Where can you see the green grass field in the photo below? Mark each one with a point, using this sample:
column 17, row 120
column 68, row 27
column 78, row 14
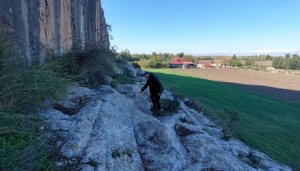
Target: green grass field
column 266, row 123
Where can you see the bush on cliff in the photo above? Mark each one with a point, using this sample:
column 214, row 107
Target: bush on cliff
column 88, row 66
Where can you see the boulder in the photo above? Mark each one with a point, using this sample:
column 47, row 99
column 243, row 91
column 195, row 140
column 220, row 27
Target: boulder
column 141, row 79
column 101, row 133
column 130, row 90
column 142, row 102
column 132, row 72
column 112, row 144
column 186, row 100
column 107, row 79
column 140, row 72
column 167, row 95
column 209, row 152
column 76, row 98
column 156, row 148
column 118, row 70
column 79, row 135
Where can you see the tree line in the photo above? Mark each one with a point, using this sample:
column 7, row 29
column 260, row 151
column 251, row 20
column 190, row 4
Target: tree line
column 161, row 60
column 287, row 62
column 157, row 60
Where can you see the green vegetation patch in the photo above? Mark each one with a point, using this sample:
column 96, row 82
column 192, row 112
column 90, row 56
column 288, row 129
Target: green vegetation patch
column 168, row 107
column 23, row 91
column 268, row 124
column 88, row 66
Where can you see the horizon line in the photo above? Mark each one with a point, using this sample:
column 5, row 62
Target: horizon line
column 247, row 53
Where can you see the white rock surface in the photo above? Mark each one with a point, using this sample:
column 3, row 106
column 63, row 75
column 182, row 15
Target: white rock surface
column 115, row 130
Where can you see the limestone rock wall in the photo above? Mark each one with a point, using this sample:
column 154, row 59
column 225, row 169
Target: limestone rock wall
column 42, row 26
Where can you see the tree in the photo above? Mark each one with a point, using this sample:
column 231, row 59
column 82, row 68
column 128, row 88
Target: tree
column 288, row 55
column 188, row 58
column 144, row 63
column 156, row 62
column 125, row 54
column 268, row 57
column 235, row 62
column 154, row 54
column 181, row 54
column 294, row 62
column 279, row 63
column 234, row 57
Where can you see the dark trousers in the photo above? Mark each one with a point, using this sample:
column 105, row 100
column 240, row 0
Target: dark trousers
column 155, row 101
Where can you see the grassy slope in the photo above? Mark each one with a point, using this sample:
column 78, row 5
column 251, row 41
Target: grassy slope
column 268, row 124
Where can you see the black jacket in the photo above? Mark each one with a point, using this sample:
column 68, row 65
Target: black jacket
column 154, row 85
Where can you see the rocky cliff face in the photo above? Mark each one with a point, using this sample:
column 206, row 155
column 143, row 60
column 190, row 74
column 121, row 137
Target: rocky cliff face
column 53, row 25
column 113, row 129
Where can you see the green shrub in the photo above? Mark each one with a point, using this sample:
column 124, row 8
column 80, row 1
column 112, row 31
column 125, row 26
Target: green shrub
column 114, row 83
column 22, row 147
column 87, row 66
column 19, row 128
column 136, row 65
column 29, row 88
column 156, row 62
column 121, row 61
column 23, row 91
column 287, row 63
column 124, row 79
column 169, row 107
column 235, row 62
column 144, row 63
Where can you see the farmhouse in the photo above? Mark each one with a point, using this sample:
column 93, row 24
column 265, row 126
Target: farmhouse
column 205, row 63
column 179, row 63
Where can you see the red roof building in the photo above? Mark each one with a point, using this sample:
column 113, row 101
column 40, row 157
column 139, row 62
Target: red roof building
column 179, row 63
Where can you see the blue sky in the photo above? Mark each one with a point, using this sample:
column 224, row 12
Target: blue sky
column 204, row 26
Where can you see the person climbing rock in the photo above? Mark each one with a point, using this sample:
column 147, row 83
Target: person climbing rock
column 155, row 88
